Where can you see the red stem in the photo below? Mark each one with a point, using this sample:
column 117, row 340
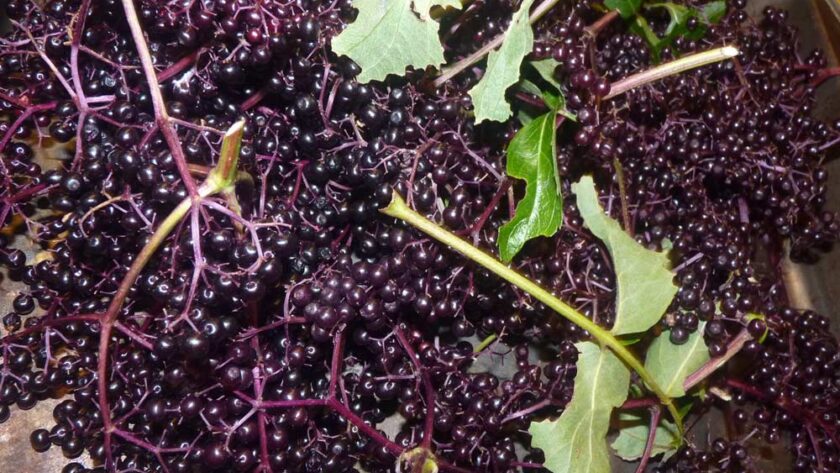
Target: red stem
column 595, row 28
column 22, row 118
column 109, row 318
column 253, row 100
column 128, row 332
column 639, row 403
column 335, row 363
column 528, row 410
column 22, row 102
column 715, row 363
column 788, row 405
column 292, row 403
column 428, row 427
column 258, row 390
column 825, row 74
column 531, row 100
column 161, row 115
column 654, row 423
column 364, row 427
column 25, row 194
column 494, row 202
column 49, row 323
column 178, row 66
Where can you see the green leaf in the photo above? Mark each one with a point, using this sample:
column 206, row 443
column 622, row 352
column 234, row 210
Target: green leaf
column 627, row 8
column 576, row 442
column 531, row 156
column 633, row 433
column 538, row 79
column 389, row 36
column 641, row 27
column 488, row 96
column 546, row 68
column 529, row 87
column 423, row 7
column 713, row 12
column 679, row 15
column 549, row 97
column 670, row 364
column 525, row 117
column 645, row 286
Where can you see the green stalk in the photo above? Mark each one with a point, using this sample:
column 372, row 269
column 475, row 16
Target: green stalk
column 398, row 209
column 485, row 343
column 672, row 68
column 219, row 179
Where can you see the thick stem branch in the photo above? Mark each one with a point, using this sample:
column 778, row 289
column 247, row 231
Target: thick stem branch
column 595, row 28
column 398, row 209
column 672, row 68
column 161, row 115
column 429, row 390
column 715, row 363
column 622, row 194
column 216, row 181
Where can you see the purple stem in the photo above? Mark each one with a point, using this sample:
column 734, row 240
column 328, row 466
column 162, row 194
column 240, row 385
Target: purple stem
column 654, row 423
column 428, row 427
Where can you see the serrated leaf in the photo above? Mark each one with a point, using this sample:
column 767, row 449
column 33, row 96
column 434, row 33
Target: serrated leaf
column 576, row 442
column 627, row 8
column 389, row 36
column 645, row 286
column 488, row 96
column 531, row 156
column 670, row 364
column 633, row 434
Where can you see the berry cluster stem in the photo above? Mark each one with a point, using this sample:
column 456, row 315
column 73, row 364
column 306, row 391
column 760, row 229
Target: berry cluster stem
column 219, row 178
column 161, row 115
column 692, row 61
column 398, row 209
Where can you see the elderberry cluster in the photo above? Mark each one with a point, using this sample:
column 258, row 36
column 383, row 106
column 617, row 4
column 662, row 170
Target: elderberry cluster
column 286, row 325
